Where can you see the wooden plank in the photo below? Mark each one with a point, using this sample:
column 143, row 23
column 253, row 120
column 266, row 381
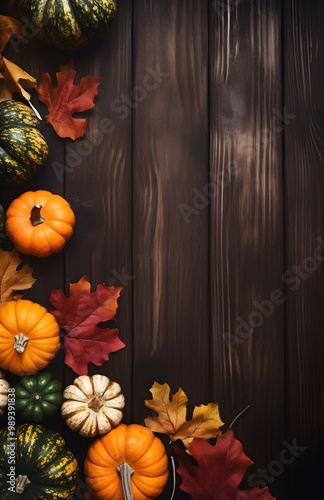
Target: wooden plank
column 170, row 161
column 304, row 138
column 246, row 212
column 98, row 186
column 98, row 183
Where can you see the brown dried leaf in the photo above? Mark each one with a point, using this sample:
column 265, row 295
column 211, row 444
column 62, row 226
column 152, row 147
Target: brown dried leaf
column 11, row 279
column 12, row 77
column 9, row 26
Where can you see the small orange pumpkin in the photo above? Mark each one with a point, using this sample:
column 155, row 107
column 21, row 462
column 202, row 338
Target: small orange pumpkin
column 29, row 337
column 39, row 223
column 129, row 462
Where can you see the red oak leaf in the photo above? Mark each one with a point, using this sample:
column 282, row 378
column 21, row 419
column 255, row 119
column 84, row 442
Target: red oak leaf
column 79, row 315
column 66, row 99
column 220, row 470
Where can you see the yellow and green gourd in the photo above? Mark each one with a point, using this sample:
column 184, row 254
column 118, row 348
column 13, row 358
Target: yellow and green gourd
column 23, row 148
column 68, row 24
column 35, row 463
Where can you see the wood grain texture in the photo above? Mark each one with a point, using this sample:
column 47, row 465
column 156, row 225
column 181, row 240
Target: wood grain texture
column 198, row 189
column 99, row 187
column 170, row 161
column 246, row 224
column 304, row 149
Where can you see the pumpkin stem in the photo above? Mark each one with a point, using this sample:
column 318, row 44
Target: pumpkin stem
column 35, row 215
column 20, row 342
column 21, row 483
column 125, row 471
column 95, row 404
column 36, row 396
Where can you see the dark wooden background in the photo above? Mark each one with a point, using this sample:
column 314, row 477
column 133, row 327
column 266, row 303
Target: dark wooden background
column 204, row 202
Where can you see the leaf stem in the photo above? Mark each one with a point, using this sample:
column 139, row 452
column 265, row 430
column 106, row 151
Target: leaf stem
column 173, row 478
column 238, row 416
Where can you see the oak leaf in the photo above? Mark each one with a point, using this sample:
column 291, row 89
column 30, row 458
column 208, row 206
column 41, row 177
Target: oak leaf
column 219, row 472
column 79, row 315
column 66, row 99
column 12, row 77
column 172, row 414
column 13, row 276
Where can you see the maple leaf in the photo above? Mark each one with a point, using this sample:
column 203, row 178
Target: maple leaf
column 171, row 419
column 79, row 315
column 66, row 99
column 12, row 77
column 219, row 472
column 13, row 276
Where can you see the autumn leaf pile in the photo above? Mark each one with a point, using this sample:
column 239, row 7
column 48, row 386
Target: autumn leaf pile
column 62, row 101
column 218, row 468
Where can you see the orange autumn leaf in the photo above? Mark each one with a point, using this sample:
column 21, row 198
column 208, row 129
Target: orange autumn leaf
column 13, row 276
column 172, row 416
column 12, row 77
column 66, row 99
column 80, row 316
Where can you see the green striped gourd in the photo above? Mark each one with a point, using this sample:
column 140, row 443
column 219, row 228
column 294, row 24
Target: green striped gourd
column 35, row 464
column 23, row 148
column 68, row 24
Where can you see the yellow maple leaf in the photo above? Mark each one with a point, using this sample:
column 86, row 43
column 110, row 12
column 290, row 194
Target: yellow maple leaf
column 171, row 419
column 13, row 279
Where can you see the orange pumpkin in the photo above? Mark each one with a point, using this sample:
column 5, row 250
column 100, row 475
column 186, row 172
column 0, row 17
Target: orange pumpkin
column 29, row 337
column 39, row 223
column 129, row 462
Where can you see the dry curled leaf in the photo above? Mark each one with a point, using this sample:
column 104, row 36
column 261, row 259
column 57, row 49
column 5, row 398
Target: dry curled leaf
column 172, row 414
column 12, row 77
column 66, row 99
column 9, row 26
column 79, row 315
column 13, row 276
